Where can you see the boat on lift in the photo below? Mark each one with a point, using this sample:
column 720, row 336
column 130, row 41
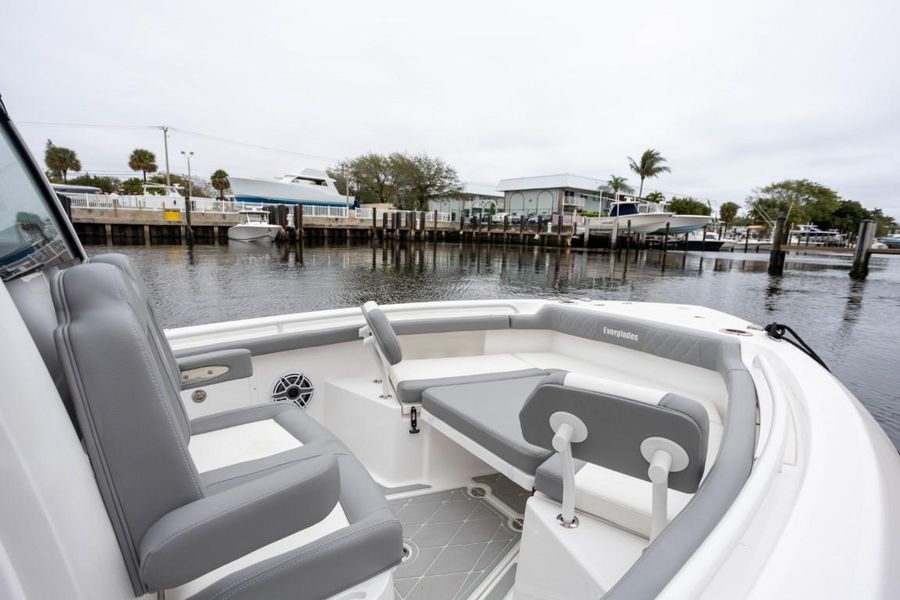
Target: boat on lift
column 311, row 187
column 254, row 227
column 629, row 215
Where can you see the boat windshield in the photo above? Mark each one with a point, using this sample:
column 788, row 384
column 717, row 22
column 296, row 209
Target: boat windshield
column 256, row 217
column 621, row 210
column 29, row 232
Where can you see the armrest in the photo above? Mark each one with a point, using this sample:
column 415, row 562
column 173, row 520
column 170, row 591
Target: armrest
column 210, row 532
column 208, row 368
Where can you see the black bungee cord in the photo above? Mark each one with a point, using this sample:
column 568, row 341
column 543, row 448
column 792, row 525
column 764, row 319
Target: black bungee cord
column 777, row 331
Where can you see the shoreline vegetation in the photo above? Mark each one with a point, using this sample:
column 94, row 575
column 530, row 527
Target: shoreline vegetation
column 410, row 181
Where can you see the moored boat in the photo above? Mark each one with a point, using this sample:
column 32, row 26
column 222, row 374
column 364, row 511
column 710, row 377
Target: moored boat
column 254, row 227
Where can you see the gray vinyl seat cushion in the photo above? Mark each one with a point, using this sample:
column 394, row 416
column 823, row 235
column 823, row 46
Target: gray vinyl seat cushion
column 412, row 391
column 488, row 413
column 173, row 523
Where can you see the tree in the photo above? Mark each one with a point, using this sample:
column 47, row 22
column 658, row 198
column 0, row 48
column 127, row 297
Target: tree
column 132, row 187
column 801, row 200
column 650, row 166
column 419, row 178
column 219, row 180
column 655, row 197
column 372, row 174
column 727, row 212
column 106, row 184
column 617, row 185
column 688, row 206
column 60, row 161
column 142, row 160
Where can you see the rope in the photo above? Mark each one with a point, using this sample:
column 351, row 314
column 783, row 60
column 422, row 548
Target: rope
column 777, row 331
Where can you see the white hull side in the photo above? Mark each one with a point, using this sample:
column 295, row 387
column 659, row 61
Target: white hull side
column 641, row 223
column 263, row 190
column 251, row 232
column 686, row 223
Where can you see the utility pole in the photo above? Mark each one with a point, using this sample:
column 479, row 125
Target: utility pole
column 165, row 130
column 187, row 204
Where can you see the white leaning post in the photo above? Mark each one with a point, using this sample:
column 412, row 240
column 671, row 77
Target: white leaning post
column 567, row 429
column 369, row 342
column 664, row 456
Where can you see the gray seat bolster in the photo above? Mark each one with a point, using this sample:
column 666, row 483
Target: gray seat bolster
column 238, row 361
column 321, row 568
column 384, row 334
column 372, row 543
column 212, row 531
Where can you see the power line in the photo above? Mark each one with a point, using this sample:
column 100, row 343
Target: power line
column 176, row 129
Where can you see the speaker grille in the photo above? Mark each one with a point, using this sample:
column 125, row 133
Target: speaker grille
column 295, row 388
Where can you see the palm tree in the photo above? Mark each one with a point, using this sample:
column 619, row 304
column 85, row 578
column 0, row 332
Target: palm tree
column 727, row 212
column 61, row 160
column 219, row 180
column 143, row 161
column 656, row 197
column 618, row 185
column 650, row 165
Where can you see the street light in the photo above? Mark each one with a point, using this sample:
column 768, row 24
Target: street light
column 188, row 155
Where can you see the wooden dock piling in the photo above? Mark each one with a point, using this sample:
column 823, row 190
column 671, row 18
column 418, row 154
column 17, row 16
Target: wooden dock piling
column 860, row 267
column 776, row 256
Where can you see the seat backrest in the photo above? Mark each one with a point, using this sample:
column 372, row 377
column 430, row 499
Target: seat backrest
column 383, row 332
column 140, row 288
column 618, row 427
column 126, row 398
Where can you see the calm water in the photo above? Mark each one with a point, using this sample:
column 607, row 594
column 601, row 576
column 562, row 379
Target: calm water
column 854, row 326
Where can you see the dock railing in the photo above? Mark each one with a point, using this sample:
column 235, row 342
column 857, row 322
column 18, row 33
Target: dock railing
column 215, row 205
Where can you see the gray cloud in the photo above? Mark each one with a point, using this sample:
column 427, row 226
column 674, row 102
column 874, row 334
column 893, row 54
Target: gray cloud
column 735, row 96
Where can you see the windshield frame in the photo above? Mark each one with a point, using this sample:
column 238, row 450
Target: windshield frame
column 45, row 191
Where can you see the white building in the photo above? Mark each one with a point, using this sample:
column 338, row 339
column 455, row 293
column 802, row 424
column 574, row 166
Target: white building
column 544, row 195
column 476, row 199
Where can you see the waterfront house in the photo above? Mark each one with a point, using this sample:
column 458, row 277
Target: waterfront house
column 545, row 195
column 475, row 199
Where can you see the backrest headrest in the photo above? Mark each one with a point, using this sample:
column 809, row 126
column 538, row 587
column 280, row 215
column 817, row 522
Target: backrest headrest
column 384, row 333
column 618, row 427
column 128, row 406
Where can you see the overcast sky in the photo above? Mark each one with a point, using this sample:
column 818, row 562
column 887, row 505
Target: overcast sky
column 735, row 96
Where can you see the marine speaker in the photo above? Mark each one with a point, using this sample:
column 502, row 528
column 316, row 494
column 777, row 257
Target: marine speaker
column 295, row 388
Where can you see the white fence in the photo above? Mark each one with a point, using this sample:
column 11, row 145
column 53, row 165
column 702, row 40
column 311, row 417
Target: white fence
column 214, row 205
column 114, row 201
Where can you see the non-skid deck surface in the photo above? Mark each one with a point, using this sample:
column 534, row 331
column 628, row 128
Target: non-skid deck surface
column 506, row 491
column 455, row 541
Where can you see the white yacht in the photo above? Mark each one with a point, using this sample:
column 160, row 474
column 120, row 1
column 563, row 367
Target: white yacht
column 633, row 216
column 500, row 449
column 310, row 187
column 811, row 235
column 254, row 227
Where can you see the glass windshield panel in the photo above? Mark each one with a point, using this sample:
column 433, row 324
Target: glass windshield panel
column 29, row 234
column 621, row 210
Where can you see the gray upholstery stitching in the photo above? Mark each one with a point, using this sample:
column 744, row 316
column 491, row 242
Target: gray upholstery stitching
column 182, row 449
column 67, row 345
